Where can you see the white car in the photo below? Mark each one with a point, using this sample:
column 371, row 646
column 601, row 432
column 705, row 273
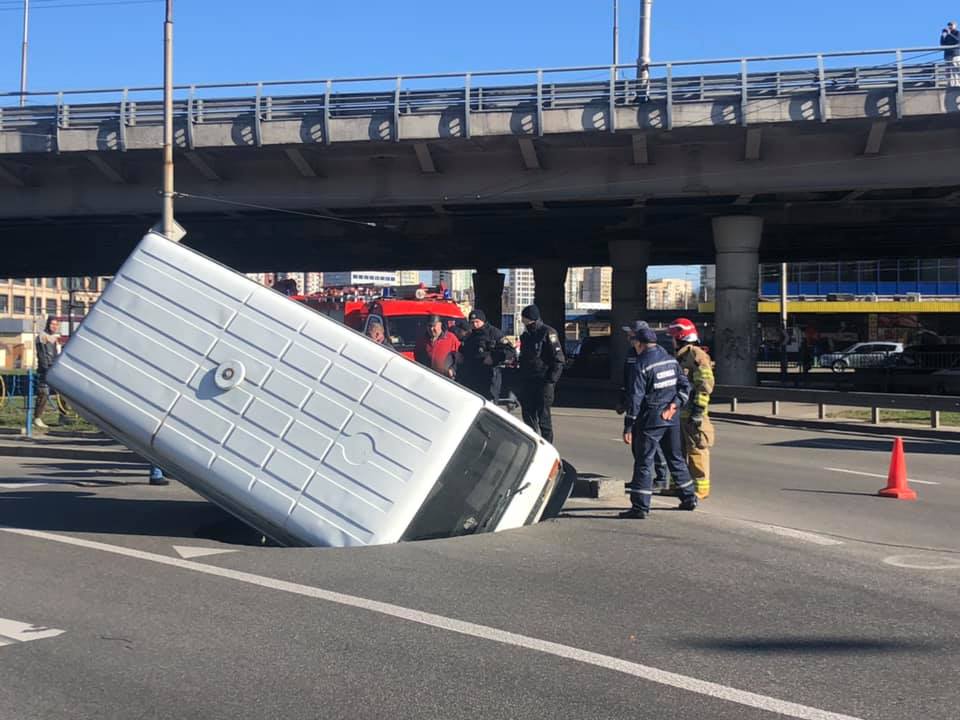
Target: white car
column 861, row 355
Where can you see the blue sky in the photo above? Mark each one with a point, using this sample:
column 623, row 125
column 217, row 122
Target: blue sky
column 118, row 42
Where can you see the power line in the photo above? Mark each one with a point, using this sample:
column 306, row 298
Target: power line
column 96, row 3
column 316, row 216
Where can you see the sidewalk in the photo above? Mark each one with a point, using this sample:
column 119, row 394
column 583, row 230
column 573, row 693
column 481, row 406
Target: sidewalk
column 67, row 447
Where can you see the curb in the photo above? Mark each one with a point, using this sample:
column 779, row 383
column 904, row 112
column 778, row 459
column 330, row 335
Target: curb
column 68, row 453
column 887, row 430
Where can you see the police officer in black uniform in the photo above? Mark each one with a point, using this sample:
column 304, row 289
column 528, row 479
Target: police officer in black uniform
column 482, row 353
column 541, row 364
column 658, row 390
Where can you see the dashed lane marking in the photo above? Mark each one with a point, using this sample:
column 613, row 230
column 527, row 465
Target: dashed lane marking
column 190, row 552
column 797, row 534
column 923, row 562
column 878, row 475
column 12, row 631
column 484, row 632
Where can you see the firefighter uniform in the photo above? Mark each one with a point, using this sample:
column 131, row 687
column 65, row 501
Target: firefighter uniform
column 657, row 383
column 541, row 364
column 698, row 432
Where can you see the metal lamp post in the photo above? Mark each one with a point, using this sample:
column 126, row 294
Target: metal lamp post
column 23, row 53
column 643, row 58
column 167, row 220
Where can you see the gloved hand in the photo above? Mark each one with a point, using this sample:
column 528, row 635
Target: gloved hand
column 696, row 415
column 620, row 409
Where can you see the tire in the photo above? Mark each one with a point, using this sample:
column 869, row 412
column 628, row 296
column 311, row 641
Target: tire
column 839, row 366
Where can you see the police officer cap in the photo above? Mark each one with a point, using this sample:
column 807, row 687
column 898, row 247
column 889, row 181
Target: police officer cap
column 646, row 335
column 635, row 327
column 478, row 315
column 531, row 312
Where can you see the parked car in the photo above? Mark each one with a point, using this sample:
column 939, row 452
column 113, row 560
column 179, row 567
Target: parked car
column 861, row 355
column 592, row 359
column 927, row 357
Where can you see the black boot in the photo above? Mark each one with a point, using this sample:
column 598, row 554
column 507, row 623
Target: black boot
column 689, row 504
column 633, row 514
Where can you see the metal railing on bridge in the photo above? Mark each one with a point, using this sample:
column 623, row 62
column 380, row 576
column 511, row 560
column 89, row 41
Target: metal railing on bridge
column 670, row 84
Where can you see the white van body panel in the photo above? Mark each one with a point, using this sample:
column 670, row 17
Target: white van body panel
column 289, row 420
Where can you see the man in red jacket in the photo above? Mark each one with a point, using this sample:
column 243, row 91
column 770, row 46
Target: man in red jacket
column 437, row 348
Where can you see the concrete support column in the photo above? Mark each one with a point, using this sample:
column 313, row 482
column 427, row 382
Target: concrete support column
column 737, row 240
column 488, row 294
column 629, row 259
column 549, row 277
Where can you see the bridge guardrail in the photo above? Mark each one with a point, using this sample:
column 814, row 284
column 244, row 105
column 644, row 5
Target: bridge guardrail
column 669, row 83
column 935, row 404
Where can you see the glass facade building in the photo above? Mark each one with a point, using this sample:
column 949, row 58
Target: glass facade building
column 938, row 277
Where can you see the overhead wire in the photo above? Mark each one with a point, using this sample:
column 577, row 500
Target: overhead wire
column 255, row 206
column 93, row 3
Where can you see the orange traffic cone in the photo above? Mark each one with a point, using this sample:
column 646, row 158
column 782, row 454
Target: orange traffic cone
column 897, row 478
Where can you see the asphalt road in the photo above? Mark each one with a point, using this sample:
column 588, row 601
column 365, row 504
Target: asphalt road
column 794, row 592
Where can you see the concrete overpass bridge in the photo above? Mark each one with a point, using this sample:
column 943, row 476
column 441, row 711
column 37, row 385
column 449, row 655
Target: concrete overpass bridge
column 830, row 155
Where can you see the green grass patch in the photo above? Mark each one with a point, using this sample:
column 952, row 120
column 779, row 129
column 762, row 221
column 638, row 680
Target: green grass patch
column 911, row 417
column 13, row 415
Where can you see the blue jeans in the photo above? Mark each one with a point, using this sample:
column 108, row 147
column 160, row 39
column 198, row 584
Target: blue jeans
column 646, row 442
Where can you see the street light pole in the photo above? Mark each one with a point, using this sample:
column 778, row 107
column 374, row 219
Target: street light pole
column 783, row 320
column 168, row 122
column 23, row 53
column 616, row 32
column 643, row 59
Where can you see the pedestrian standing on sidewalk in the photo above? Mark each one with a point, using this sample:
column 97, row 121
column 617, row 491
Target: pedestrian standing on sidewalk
column 47, row 347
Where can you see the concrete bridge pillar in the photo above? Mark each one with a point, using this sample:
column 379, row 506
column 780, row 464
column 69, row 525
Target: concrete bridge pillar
column 488, row 294
column 737, row 240
column 549, row 277
column 629, row 259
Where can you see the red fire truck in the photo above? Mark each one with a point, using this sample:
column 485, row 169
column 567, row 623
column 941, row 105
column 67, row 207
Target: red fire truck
column 403, row 311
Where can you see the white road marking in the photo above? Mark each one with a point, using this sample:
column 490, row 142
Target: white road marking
column 12, row 632
column 797, row 534
column 878, row 475
column 188, row 552
column 17, row 485
column 484, row 632
column 923, row 562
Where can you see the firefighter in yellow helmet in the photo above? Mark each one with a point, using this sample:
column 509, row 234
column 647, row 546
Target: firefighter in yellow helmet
column 698, row 433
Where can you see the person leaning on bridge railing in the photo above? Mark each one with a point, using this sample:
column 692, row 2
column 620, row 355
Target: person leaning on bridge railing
column 950, row 39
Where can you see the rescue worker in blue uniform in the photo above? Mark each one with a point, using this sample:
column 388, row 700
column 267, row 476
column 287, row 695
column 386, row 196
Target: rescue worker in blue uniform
column 541, row 364
column 661, row 473
column 657, row 391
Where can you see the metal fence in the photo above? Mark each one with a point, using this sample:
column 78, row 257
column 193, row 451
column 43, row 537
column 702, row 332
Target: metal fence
column 18, row 401
column 740, row 81
column 824, row 399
